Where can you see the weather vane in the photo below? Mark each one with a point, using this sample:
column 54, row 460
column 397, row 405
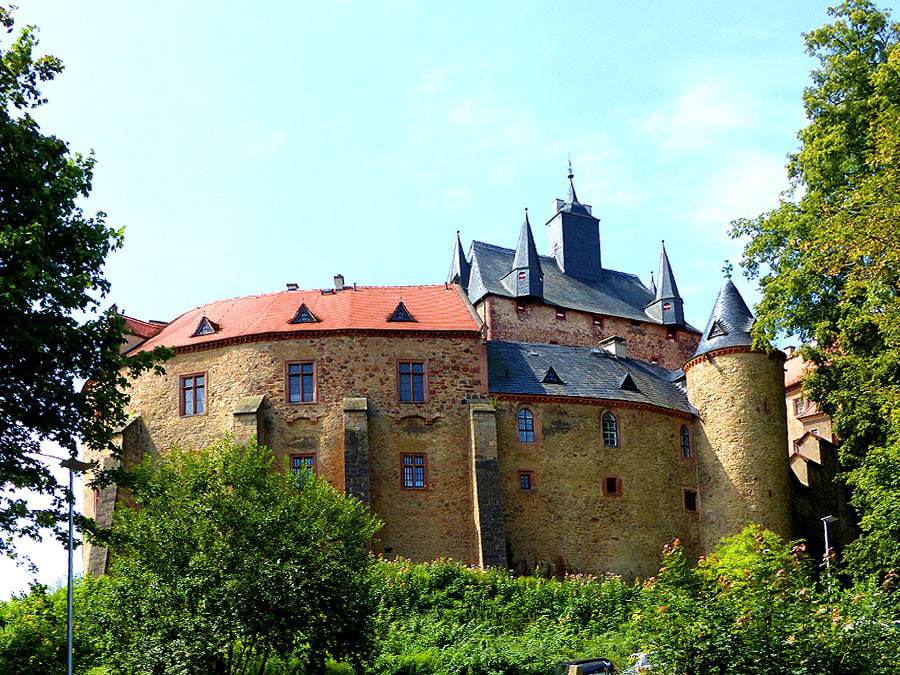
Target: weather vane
column 727, row 269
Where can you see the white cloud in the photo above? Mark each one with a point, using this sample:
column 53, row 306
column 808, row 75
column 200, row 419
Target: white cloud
column 697, row 117
column 750, row 184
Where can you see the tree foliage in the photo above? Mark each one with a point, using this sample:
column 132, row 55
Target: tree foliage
column 226, row 563
column 828, row 260
column 51, row 260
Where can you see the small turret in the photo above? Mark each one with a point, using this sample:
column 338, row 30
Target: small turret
column 460, row 269
column 667, row 306
column 526, row 279
column 742, row 431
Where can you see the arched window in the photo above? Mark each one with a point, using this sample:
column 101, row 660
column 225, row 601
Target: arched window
column 686, row 450
column 610, row 430
column 526, row 425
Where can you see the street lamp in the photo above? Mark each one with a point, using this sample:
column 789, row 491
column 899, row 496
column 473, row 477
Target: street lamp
column 825, row 520
column 73, row 465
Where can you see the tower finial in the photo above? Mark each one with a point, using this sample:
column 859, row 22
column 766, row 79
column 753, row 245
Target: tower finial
column 571, row 173
column 727, row 269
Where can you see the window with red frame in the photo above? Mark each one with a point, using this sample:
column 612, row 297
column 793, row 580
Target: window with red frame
column 301, row 382
column 303, row 466
column 192, row 398
column 411, row 376
column 612, row 486
column 687, row 450
column 526, row 480
column 414, row 472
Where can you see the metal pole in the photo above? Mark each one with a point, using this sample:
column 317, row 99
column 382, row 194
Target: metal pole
column 69, row 589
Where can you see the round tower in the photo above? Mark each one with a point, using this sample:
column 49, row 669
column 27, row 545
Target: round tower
column 742, row 432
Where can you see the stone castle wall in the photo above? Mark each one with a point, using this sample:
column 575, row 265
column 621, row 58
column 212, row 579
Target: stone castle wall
column 421, row 524
column 538, row 323
column 566, row 522
column 740, row 441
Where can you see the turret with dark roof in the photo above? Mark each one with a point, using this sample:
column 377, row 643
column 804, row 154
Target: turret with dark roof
column 460, row 269
column 526, row 278
column 729, row 324
column 667, row 306
column 575, row 237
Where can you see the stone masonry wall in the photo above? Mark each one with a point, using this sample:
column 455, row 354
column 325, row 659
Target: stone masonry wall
column 419, row 524
column 566, row 522
column 538, row 323
column 740, row 444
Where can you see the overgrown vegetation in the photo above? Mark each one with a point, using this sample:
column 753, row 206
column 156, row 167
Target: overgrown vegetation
column 755, row 605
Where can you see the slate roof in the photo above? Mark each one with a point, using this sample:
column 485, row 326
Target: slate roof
column 729, row 324
column 520, row 368
column 615, row 293
column 435, row 308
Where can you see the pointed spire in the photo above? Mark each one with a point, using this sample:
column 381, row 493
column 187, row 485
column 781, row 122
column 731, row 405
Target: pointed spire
column 460, row 269
column 667, row 307
column 573, row 198
column 526, row 275
column 572, row 204
column 729, row 324
column 652, row 284
column 667, row 286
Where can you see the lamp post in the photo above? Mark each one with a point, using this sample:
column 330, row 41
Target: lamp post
column 73, row 465
column 825, row 520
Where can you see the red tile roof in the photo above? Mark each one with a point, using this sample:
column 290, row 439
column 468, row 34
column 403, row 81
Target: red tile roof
column 142, row 329
column 365, row 308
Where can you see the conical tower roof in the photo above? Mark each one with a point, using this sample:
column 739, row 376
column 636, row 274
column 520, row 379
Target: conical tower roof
column 729, row 324
column 460, row 269
column 526, row 252
column 666, row 288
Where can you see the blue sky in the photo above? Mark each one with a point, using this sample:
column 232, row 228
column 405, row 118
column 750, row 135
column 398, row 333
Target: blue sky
column 246, row 145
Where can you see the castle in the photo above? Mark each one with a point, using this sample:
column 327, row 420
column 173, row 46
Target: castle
column 533, row 411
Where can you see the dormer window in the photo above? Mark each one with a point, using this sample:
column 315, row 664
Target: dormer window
column 304, row 315
column 667, row 306
column 205, row 327
column 718, row 329
column 627, row 384
column 401, row 314
column 551, row 377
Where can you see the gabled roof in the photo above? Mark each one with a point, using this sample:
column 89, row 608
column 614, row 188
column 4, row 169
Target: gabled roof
column 142, row 329
column 438, row 308
column 520, row 368
column 615, row 293
column 729, row 323
column 401, row 313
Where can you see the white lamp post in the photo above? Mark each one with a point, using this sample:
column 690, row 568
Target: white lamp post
column 73, row 465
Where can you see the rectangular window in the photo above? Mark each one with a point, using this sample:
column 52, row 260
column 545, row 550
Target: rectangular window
column 301, row 382
column 520, row 307
column 799, row 406
column 411, row 376
column 303, row 465
column 612, row 486
column 560, row 315
column 526, row 480
column 671, row 334
column 690, row 501
column 192, row 395
column 414, row 472
column 598, row 320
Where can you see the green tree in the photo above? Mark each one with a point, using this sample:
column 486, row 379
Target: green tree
column 226, row 563
column 51, row 259
column 828, row 261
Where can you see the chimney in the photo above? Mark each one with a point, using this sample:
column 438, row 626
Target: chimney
column 293, row 287
column 338, row 281
column 614, row 345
